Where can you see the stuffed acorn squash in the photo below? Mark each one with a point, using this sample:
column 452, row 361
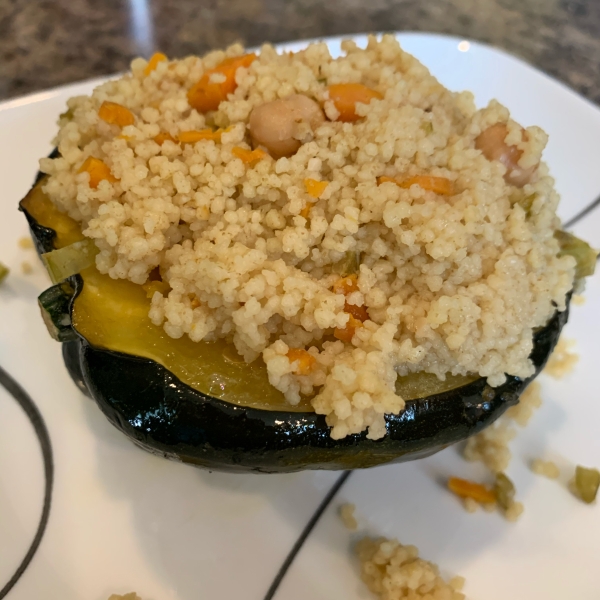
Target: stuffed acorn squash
column 283, row 262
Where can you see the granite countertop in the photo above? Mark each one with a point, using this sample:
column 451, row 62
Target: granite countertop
column 44, row 43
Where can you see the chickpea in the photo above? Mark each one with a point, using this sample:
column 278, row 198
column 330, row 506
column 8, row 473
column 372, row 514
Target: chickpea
column 280, row 125
column 491, row 143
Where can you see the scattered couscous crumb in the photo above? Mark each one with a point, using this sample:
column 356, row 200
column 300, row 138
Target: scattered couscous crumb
column 26, row 243
column 26, row 268
column 457, row 583
column 514, row 511
column 563, row 360
column 471, row 505
column 547, row 468
column 529, row 402
column 348, row 517
column 458, row 265
column 578, row 299
column 491, row 445
column 4, row 272
column 393, row 571
column 129, row 596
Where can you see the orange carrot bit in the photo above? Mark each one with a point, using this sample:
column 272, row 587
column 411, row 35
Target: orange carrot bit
column 468, row 489
column 163, row 137
column 191, row 137
column 153, row 62
column 206, row 95
column 98, row 171
column 439, row 185
column 248, row 156
column 306, row 361
column 386, row 179
column 315, row 188
column 305, row 212
column 116, row 114
column 358, row 312
column 347, row 333
column 346, row 285
column 345, row 96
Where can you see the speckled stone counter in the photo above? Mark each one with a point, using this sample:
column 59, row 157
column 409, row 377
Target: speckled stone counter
column 44, row 43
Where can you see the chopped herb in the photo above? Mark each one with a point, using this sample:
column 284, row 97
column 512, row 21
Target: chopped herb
column 69, row 260
column 527, row 202
column 587, row 482
column 504, row 490
column 581, row 251
column 4, row 271
column 349, row 265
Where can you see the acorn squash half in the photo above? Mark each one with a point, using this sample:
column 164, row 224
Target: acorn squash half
column 195, row 403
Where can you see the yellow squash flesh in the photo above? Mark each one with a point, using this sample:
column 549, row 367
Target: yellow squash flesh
column 113, row 314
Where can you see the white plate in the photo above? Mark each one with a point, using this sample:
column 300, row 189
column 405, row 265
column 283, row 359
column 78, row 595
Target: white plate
column 124, row 520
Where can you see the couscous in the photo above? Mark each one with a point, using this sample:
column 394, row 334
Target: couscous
column 347, row 221
column 394, row 571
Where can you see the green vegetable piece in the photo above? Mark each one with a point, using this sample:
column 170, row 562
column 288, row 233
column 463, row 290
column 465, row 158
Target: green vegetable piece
column 427, row 127
column 69, row 260
column 55, row 304
column 4, row 271
column 504, row 490
column 581, row 251
column 527, row 202
column 587, row 482
column 349, row 265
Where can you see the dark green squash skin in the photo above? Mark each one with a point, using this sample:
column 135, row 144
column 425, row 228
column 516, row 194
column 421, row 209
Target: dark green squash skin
column 163, row 415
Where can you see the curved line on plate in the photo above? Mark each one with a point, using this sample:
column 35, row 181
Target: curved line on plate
column 34, row 415
column 305, row 533
column 582, row 213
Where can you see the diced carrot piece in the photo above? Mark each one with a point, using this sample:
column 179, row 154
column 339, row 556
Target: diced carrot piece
column 345, row 96
column 305, row 212
column 191, row 137
column 162, row 137
column 116, row 114
column 315, row 188
column 358, row 312
column 248, row 156
column 346, row 285
column 306, row 360
column 206, row 95
column 153, row 62
column 347, row 333
column 98, row 171
column 468, row 489
column 439, row 185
